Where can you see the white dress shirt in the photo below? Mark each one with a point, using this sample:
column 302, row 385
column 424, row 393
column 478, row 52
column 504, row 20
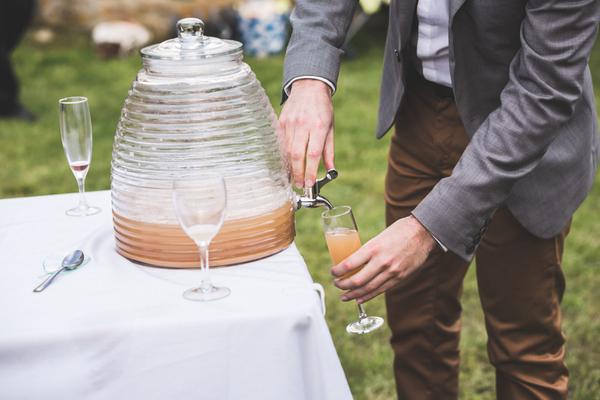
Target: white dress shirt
column 432, row 41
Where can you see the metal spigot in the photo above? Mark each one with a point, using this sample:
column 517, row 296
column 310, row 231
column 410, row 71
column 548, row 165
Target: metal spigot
column 311, row 197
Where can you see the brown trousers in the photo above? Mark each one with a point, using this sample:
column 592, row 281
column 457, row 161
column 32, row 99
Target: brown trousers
column 519, row 276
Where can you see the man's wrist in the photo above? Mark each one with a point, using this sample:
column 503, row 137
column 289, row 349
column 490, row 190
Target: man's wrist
column 436, row 240
column 425, row 237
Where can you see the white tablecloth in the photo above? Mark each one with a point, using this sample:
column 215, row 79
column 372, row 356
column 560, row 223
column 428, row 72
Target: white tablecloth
column 114, row 329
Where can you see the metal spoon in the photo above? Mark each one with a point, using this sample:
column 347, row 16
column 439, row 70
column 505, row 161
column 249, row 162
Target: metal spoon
column 69, row 263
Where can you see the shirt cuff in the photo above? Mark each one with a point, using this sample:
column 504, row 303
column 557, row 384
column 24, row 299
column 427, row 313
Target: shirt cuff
column 288, row 85
column 444, row 248
column 438, row 241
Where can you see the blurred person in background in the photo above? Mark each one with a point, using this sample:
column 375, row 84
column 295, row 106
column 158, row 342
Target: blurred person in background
column 495, row 146
column 15, row 17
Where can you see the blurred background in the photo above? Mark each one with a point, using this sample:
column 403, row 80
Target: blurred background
column 90, row 48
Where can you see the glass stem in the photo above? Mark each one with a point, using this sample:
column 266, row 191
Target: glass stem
column 205, row 284
column 81, row 185
column 362, row 314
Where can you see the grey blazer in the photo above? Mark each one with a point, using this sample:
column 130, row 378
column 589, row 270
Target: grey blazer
column 524, row 92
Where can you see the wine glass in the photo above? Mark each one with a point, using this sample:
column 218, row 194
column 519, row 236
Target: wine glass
column 200, row 203
column 341, row 235
column 76, row 137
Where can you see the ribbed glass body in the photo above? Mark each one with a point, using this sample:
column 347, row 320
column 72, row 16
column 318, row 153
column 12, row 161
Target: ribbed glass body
column 184, row 116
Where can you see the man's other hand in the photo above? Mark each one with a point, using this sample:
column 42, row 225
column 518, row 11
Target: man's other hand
column 388, row 258
column 306, row 130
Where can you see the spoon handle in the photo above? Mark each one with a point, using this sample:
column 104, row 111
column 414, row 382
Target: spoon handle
column 48, row 281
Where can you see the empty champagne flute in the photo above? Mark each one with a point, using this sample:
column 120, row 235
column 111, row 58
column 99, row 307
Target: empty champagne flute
column 341, row 235
column 200, row 204
column 76, row 137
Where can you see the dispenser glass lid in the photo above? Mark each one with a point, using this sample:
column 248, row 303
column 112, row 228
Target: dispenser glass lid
column 191, row 44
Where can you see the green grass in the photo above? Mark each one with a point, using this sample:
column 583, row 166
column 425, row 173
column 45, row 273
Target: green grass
column 33, row 164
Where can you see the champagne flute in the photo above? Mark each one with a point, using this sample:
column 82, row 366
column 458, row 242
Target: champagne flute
column 76, row 137
column 341, row 235
column 200, row 204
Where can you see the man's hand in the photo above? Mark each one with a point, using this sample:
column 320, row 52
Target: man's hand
column 388, row 258
column 306, row 127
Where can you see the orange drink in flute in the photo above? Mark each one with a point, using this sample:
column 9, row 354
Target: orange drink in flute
column 342, row 242
column 341, row 235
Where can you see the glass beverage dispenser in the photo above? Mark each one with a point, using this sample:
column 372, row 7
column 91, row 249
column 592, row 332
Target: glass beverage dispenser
column 197, row 107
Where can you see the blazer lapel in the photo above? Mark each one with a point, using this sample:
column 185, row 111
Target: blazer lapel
column 404, row 11
column 455, row 5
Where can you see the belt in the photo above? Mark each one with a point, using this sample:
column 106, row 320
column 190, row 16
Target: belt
column 441, row 91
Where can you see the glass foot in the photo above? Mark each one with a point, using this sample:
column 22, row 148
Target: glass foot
column 82, row 212
column 201, row 294
column 364, row 325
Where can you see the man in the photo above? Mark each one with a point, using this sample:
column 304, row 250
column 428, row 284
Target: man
column 15, row 16
column 495, row 146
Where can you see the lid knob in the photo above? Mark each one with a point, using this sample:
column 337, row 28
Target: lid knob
column 190, row 32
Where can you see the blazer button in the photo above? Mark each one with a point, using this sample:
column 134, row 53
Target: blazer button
column 397, row 53
column 470, row 249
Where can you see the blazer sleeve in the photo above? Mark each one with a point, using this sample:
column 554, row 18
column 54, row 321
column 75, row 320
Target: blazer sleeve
column 545, row 84
column 318, row 31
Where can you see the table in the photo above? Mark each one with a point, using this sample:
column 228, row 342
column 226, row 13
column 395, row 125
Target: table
column 114, row 329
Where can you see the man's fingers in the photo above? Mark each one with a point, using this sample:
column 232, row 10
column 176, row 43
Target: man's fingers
column 308, row 111
column 363, row 277
column 282, row 138
column 313, row 156
column 328, row 151
column 386, row 286
column 356, row 260
column 298, row 154
column 365, row 290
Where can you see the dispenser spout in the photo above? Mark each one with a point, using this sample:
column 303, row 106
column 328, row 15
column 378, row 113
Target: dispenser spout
column 321, row 200
column 311, row 197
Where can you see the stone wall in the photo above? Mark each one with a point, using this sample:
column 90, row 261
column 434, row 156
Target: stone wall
column 156, row 15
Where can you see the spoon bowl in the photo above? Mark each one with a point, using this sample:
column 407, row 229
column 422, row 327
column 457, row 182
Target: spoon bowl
column 73, row 260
